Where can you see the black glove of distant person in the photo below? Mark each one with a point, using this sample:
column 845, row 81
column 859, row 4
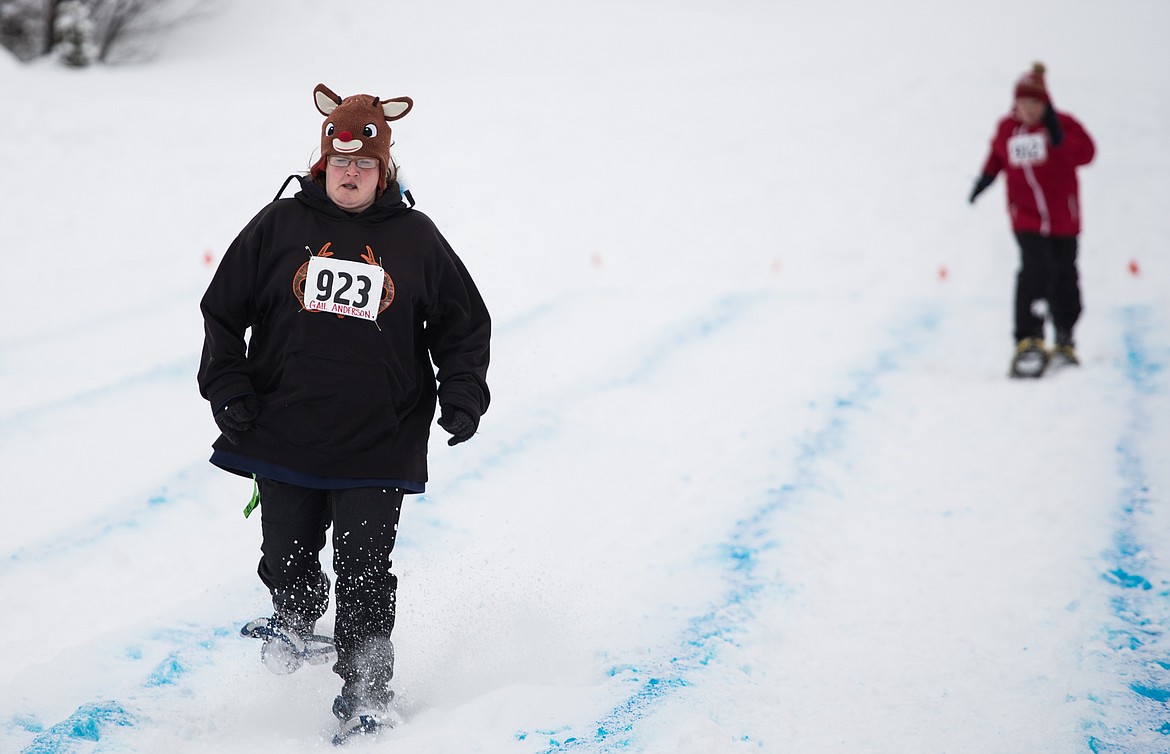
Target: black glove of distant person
column 459, row 423
column 1055, row 134
column 983, row 182
column 237, row 415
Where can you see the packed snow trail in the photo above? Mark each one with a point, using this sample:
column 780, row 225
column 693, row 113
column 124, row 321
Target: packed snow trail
column 708, row 633
column 751, row 571
column 92, row 716
column 1036, row 728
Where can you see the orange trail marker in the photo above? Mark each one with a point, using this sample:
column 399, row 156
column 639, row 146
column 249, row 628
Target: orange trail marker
column 1134, row 269
column 942, row 273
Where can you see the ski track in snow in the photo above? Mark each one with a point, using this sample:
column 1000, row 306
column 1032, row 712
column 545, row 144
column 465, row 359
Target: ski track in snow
column 699, row 646
column 1134, row 717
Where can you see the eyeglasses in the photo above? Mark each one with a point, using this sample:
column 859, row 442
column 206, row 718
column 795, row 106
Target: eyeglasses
column 341, row 161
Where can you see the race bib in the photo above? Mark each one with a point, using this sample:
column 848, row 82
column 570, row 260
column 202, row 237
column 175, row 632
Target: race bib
column 350, row 289
column 1027, row 149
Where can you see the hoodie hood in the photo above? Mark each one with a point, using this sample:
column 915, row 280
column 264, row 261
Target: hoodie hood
column 390, row 203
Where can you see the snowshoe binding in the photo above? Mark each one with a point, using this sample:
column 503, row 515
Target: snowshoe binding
column 1030, row 359
column 1064, row 353
column 289, row 644
column 361, row 719
column 1065, row 356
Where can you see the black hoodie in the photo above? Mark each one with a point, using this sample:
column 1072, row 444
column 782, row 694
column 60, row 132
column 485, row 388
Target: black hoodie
column 342, row 396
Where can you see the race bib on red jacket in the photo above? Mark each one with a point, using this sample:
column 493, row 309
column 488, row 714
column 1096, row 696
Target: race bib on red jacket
column 1027, row 149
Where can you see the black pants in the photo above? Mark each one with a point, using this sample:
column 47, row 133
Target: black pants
column 1048, row 272
column 365, row 522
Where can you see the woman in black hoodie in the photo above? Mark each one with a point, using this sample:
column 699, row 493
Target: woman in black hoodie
column 350, row 295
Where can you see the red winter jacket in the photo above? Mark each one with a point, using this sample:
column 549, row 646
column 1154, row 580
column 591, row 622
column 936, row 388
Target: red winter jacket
column 1041, row 178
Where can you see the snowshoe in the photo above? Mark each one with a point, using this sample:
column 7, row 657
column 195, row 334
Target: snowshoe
column 357, row 719
column 1030, row 359
column 1065, row 355
column 288, row 646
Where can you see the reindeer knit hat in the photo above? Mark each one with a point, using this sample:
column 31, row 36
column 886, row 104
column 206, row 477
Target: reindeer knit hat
column 357, row 126
column 1031, row 84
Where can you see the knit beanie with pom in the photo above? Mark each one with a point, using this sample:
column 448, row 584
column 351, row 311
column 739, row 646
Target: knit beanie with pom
column 1031, row 84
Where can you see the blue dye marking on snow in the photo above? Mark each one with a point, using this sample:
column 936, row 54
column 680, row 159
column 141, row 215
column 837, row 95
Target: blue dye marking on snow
column 707, row 634
column 27, row 723
column 181, row 369
column 94, row 721
column 90, row 722
column 1139, row 634
column 520, row 443
column 89, row 533
column 534, row 315
column 617, row 670
column 167, row 672
column 435, row 520
column 178, row 297
column 728, row 310
column 1121, row 640
column 1157, row 694
column 506, row 452
column 1127, row 580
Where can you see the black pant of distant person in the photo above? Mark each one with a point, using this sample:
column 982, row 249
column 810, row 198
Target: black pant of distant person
column 1048, row 272
column 365, row 522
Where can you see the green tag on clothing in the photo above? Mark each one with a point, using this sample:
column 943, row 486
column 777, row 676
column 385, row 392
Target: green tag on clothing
column 251, row 506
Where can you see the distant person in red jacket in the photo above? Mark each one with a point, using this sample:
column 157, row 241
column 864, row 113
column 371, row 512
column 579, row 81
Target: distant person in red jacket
column 1040, row 150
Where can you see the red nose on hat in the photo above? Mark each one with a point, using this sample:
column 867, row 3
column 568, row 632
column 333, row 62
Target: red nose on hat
column 345, row 136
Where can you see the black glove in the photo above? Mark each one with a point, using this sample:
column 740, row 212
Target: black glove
column 459, row 423
column 237, row 415
column 1052, row 123
column 984, row 181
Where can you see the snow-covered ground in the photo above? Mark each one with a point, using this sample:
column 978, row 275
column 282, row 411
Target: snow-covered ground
column 753, row 478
